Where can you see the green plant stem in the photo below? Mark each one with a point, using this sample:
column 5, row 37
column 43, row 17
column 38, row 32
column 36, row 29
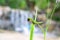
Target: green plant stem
column 51, row 16
column 49, row 21
column 53, row 11
column 36, row 15
column 32, row 28
column 32, row 31
column 44, row 35
column 46, row 25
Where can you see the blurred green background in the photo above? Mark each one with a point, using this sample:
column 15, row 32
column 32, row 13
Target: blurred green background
column 42, row 4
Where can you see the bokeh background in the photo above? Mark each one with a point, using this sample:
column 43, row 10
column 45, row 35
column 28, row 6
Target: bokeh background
column 14, row 15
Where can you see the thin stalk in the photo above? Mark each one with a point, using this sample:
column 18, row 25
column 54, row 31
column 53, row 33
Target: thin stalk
column 51, row 16
column 44, row 35
column 32, row 31
column 53, row 11
column 49, row 21
column 32, row 28
column 36, row 15
column 47, row 17
column 46, row 25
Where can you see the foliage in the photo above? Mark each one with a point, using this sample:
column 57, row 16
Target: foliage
column 14, row 3
column 42, row 4
column 2, row 2
column 17, row 3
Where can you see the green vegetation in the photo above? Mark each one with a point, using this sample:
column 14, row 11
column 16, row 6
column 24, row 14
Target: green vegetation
column 2, row 2
column 13, row 3
column 22, row 4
